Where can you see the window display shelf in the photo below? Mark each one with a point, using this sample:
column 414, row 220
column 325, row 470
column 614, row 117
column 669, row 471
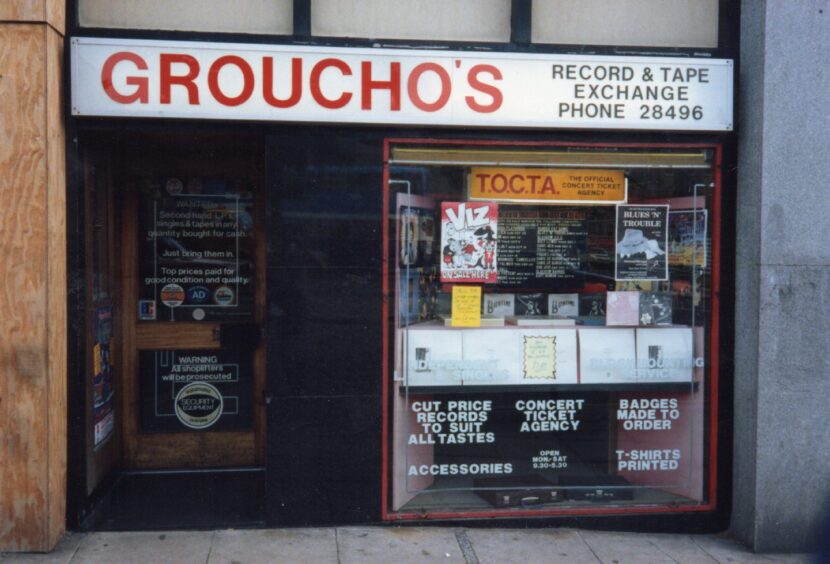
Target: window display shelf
column 550, row 388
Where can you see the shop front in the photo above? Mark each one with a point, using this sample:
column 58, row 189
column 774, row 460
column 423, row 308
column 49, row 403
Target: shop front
column 346, row 285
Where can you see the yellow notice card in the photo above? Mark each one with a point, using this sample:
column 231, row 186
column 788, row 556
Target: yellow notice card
column 547, row 185
column 96, row 359
column 540, row 357
column 466, row 306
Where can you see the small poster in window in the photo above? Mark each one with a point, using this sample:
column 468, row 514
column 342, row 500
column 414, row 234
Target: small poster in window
column 468, row 242
column 466, row 306
column 687, row 238
column 103, row 410
column 642, row 240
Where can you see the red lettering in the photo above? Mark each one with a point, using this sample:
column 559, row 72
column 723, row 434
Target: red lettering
column 513, row 187
column 533, row 178
column 412, row 87
column 314, row 85
column 268, row 83
column 247, row 80
column 484, row 88
column 502, row 179
column 483, row 178
column 142, row 90
column 393, row 85
column 548, row 186
column 166, row 78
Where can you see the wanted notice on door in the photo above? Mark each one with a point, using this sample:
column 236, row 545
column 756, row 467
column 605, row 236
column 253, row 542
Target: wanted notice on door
column 641, row 243
column 195, row 390
column 197, row 251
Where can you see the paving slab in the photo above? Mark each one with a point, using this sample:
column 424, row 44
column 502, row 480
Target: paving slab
column 530, row 546
column 728, row 551
column 623, row 548
column 680, row 548
column 62, row 554
column 401, row 545
column 277, row 546
column 172, row 547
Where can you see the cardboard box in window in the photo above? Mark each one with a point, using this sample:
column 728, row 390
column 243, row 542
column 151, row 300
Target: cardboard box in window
column 635, row 356
column 444, row 356
column 665, row 354
column 432, row 356
column 606, row 356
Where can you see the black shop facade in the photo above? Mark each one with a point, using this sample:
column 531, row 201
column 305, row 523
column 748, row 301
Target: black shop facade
column 330, row 285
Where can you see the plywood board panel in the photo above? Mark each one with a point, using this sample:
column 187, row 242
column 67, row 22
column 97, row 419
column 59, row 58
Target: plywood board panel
column 56, row 288
column 23, row 281
column 23, row 10
column 56, row 15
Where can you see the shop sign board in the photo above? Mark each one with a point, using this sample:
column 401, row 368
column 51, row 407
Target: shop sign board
column 292, row 83
column 536, row 185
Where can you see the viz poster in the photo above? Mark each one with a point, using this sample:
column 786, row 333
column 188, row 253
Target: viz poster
column 468, row 242
column 642, row 240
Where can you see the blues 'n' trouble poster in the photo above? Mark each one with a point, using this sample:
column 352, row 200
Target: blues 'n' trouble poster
column 642, row 239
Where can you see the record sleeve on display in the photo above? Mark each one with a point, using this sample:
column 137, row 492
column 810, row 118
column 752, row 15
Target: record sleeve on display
column 563, row 304
column 622, row 308
column 531, row 304
column 499, row 304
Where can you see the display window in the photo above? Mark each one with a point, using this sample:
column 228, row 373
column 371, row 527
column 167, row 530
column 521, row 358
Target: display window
column 552, row 334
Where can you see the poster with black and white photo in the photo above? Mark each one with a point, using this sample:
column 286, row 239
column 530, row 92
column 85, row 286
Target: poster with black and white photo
column 641, row 243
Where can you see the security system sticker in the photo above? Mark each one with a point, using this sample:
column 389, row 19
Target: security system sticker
column 147, row 310
column 172, row 295
column 198, row 405
column 223, row 296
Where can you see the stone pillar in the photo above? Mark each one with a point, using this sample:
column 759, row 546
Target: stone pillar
column 782, row 349
column 33, row 284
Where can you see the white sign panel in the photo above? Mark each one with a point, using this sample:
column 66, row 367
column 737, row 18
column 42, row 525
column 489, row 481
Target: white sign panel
column 288, row 83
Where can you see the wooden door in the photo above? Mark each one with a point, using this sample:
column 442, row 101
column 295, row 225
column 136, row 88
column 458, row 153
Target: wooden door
column 192, row 300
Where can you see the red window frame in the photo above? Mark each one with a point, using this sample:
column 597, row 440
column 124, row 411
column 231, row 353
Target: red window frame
column 713, row 350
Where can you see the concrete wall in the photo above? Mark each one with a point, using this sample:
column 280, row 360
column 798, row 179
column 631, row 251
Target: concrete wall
column 782, row 379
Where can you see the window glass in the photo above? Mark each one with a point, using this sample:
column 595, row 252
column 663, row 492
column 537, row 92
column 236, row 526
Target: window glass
column 241, row 16
column 648, row 23
column 552, row 321
column 459, row 20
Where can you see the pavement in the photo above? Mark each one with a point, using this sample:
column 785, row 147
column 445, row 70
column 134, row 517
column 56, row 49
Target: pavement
column 399, row 545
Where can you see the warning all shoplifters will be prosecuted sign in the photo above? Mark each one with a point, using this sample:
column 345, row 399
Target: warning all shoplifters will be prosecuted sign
column 172, row 79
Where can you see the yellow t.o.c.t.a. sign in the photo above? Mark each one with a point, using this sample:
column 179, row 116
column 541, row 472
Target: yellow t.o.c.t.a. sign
column 538, row 185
